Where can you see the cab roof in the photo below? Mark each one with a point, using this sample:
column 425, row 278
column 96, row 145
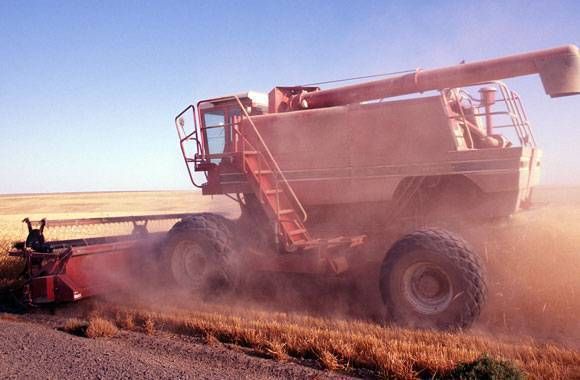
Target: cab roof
column 259, row 100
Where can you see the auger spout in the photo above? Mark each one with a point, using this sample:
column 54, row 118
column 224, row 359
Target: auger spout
column 559, row 70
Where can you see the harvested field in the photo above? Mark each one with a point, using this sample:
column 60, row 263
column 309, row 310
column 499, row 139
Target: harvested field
column 531, row 317
column 350, row 346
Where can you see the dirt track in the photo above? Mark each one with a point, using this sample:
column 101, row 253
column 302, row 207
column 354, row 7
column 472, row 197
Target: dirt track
column 32, row 350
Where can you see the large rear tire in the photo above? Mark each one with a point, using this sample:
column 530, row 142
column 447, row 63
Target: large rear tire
column 432, row 279
column 197, row 254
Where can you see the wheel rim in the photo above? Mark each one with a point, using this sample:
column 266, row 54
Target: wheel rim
column 427, row 287
column 189, row 265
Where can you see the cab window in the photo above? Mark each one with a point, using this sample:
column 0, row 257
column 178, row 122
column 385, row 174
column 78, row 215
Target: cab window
column 214, row 121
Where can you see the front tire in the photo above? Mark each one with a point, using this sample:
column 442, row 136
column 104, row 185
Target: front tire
column 432, row 279
column 197, row 255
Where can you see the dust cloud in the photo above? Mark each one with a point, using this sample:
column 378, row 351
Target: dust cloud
column 533, row 264
column 533, row 275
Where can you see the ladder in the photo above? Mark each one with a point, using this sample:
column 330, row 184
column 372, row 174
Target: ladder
column 275, row 193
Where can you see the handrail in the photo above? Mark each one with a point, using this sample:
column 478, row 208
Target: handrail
column 517, row 114
column 268, row 159
column 180, row 128
column 183, row 137
column 461, row 116
column 524, row 116
column 273, row 160
column 512, row 108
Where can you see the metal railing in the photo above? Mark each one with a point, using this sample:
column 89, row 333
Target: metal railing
column 240, row 146
column 270, row 162
column 185, row 137
column 517, row 113
column 509, row 104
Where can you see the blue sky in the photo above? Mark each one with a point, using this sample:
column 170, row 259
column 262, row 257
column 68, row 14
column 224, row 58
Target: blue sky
column 88, row 90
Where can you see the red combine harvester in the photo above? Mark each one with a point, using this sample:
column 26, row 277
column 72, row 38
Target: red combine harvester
column 340, row 183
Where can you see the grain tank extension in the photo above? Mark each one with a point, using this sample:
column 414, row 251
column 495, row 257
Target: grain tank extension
column 350, row 183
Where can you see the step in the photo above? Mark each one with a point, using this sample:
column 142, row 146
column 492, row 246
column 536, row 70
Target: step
column 262, row 172
column 273, row 191
column 250, row 152
column 297, row 232
column 286, row 211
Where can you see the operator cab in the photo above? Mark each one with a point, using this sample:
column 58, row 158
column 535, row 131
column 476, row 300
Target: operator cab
column 217, row 117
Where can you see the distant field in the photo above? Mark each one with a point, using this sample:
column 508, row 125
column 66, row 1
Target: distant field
column 78, row 205
column 531, row 317
column 13, row 208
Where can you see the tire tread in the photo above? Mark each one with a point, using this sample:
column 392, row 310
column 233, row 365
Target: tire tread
column 455, row 249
